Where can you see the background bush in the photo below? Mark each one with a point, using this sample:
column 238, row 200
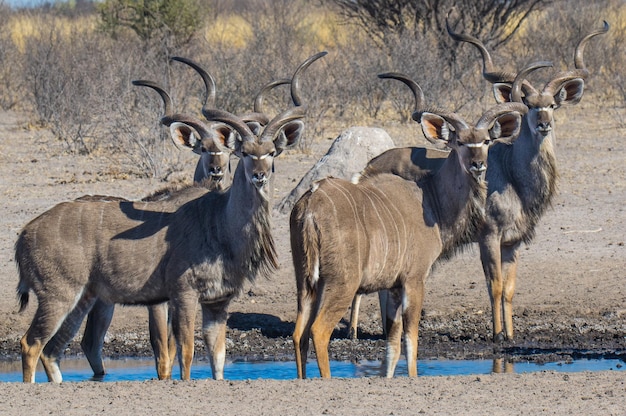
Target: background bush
column 71, row 67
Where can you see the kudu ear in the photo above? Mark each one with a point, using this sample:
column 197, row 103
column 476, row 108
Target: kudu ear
column 502, row 92
column 255, row 126
column 435, row 128
column 185, row 137
column 570, row 92
column 506, row 128
column 288, row 136
column 226, row 138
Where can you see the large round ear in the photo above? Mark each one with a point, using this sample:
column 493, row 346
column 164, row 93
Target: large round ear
column 506, row 128
column 288, row 136
column 435, row 128
column 570, row 92
column 185, row 136
column 255, row 126
column 502, row 92
column 226, row 139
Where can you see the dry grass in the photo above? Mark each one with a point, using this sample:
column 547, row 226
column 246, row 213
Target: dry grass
column 76, row 80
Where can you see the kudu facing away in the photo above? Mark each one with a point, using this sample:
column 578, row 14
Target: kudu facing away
column 194, row 247
column 386, row 232
column 522, row 177
column 210, row 171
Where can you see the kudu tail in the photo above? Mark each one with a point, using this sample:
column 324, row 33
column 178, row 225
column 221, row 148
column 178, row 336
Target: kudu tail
column 305, row 248
column 23, row 287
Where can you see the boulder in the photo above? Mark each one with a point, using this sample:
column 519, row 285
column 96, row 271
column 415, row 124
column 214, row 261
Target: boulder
column 347, row 156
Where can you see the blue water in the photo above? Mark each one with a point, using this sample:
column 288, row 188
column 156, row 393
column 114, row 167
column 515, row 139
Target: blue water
column 143, row 369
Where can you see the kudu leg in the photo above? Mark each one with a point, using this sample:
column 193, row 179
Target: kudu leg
column 98, row 322
column 333, row 306
column 411, row 318
column 51, row 315
column 162, row 340
column 302, row 332
column 183, row 323
column 394, row 325
column 354, row 316
column 214, row 318
column 492, row 267
column 509, row 270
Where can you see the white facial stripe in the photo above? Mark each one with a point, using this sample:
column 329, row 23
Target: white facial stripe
column 259, row 157
column 216, row 153
column 474, row 144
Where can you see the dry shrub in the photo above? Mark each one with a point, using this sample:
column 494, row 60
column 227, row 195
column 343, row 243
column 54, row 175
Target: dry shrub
column 78, row 80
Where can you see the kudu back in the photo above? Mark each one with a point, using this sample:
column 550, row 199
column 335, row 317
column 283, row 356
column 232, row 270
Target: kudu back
column 385, row 232
column 194, row 247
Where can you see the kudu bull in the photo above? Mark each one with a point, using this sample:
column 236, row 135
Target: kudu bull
column 386, row 232
column 522, row 177
column 193, row 247
column 213, row 163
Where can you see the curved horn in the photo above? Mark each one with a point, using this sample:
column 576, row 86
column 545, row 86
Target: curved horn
column 167, row 100
column 198, row 125
column 232, row 120
column 578, row 52
column 280, row 120
column 516, row 89
column 418, row 94
column 258, row 100
column 487, row 62
column 451, row 118
column 295, row 80
column 488, row 117
column 489, row 72
column 209, row 82
column 258, row 115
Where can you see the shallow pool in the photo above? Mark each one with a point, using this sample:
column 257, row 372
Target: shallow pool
column 139, row 369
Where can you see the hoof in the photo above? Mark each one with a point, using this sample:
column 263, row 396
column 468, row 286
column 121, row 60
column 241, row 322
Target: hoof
column 352, row 334
column 499, row 338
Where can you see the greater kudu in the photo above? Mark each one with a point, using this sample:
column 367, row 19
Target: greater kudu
column 385, row 232
column 522, row 177
column 193, row 247
column 213, row 163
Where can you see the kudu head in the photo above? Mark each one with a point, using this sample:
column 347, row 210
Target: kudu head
column 214, row 149
column 255, row 120
column 257, row 148
column 470, row 143
column 566, row 87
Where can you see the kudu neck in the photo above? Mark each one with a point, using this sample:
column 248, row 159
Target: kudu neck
column 457, row 202
column 530, row 163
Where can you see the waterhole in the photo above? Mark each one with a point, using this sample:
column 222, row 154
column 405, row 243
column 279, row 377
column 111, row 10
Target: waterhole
column 141, row 369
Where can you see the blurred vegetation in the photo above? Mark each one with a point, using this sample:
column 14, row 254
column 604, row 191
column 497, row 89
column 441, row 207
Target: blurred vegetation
column 70, row 65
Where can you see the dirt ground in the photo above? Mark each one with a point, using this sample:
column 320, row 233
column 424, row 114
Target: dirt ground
column 570, row 300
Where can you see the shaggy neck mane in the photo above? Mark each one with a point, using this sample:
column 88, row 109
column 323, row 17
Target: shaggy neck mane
column 536, row 186
column 252, row 244
column 458, row 205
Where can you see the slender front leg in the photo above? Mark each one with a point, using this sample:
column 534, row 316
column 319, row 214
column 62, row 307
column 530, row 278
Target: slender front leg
column 98, row 322
column 490, row 258
column 214, row 316
column 354, row 316
column 183, row 322
column 509, row 270
column 160, row 337
column 412, row 309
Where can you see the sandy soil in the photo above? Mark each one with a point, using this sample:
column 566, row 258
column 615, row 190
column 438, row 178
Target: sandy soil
column 570, row 301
